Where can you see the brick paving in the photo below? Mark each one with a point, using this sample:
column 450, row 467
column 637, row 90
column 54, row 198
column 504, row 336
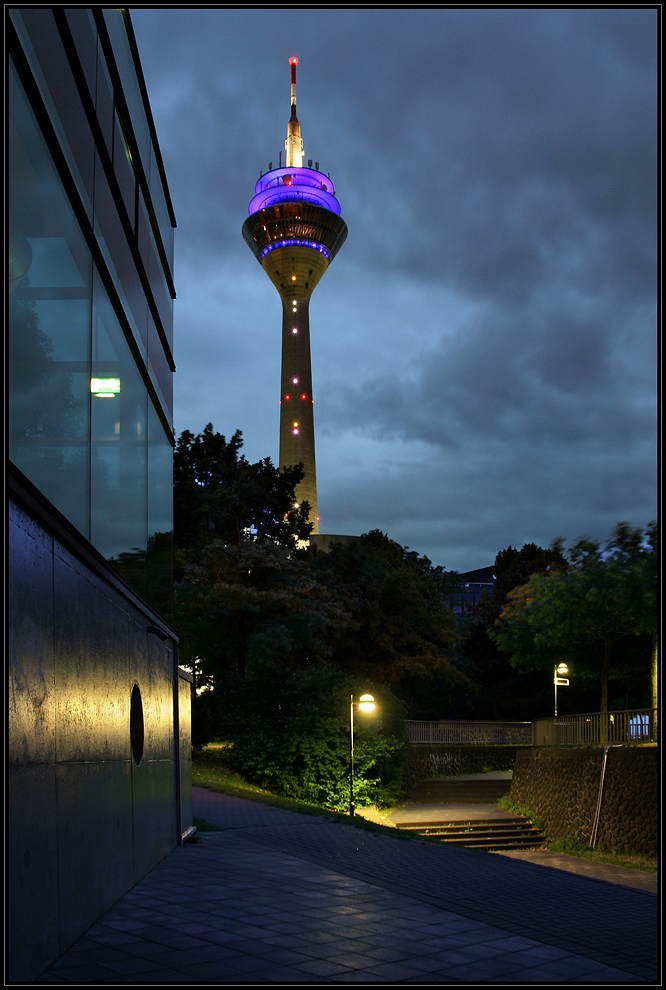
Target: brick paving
column 279, row 897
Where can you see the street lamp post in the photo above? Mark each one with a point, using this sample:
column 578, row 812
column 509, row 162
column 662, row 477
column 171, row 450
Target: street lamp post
column 560, row 669
column 366, row 704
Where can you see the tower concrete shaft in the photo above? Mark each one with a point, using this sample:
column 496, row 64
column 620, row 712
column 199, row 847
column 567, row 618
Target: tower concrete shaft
column 295, row 230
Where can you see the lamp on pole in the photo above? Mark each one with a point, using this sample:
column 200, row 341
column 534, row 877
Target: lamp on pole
column 366, row 704
column 560, row 669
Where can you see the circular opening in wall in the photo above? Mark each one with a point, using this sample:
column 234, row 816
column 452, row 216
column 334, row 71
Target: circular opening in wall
column 136, row 724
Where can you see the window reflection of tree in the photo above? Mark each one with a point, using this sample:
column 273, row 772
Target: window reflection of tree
column 45, row 418
column 149, row 571
column 48, row 406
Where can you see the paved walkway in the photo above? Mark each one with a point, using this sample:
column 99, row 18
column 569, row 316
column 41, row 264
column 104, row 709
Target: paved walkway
column 460, row 812
column 279, row 897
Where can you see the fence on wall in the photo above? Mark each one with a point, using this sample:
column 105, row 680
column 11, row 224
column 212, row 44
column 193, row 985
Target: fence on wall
column 597, row 729
column 471, row 733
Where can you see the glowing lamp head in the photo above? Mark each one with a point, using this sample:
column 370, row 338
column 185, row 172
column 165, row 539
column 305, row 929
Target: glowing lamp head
column 367, row 703
column 293, row 60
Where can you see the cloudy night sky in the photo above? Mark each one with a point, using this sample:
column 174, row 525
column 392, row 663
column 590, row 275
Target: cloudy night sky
column 484, row 344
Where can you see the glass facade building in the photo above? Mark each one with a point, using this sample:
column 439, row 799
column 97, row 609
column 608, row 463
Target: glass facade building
column 91, row 288
column 99, row 734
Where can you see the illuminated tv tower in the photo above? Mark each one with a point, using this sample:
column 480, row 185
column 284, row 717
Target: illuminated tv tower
column 294, row 230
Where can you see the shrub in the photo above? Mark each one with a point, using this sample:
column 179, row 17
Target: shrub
column 290, row 734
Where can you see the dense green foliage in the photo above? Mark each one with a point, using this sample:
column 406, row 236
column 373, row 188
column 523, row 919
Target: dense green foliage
column 582, row 611
column 247, row 597
column 282, row 635
column 263, row 624
column 219, row 495
column 290, row 734
column 488, row 686
column 251, row 605
column 400, row 628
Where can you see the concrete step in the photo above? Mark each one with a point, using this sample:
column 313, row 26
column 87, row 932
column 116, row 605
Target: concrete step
column 496, row 844
column 490, row 834
column 449, row 825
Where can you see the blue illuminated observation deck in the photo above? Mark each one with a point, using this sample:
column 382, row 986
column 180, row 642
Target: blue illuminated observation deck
column 294, row 206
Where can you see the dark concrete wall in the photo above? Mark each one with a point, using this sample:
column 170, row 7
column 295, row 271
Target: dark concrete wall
column 85, row 821
column 561, row 787
column 424, row 761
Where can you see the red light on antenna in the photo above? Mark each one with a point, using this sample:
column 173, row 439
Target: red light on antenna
column 287, row 397
column 293, row 60
column 304, row 396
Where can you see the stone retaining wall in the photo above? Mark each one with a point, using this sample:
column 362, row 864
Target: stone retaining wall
column 561, row 787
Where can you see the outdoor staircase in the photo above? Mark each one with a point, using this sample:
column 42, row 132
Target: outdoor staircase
column 491, row 834
column 504, row 831
column 458, row 790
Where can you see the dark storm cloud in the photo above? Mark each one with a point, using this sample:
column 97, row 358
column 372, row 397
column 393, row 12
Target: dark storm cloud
column 514, row 139
column 551, row 374
column 509, row 133
column 487, row 335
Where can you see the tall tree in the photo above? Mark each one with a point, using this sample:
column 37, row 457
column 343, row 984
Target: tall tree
column 256, row 604
column 603, row 595
column 220, row 495
column 514, row 567
column 499, row 691
column 401, row 629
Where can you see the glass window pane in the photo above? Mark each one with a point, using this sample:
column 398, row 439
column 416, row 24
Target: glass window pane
column 41, row 43
column 160, row 516
column 118, row 446
column 160, row 372
column 49, row 322
column 161, row 211
column 122, row 166
column 104, row 101
column 119, row 260
column 113, row 17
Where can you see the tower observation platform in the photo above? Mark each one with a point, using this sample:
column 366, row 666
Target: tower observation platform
column 294, row 229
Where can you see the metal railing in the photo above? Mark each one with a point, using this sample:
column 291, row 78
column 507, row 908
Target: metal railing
column 471, row 733
column 597, row 729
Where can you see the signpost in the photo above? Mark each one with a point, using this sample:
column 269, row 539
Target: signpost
column 560, row 668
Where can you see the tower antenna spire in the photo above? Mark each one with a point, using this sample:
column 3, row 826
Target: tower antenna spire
column 294, row 142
